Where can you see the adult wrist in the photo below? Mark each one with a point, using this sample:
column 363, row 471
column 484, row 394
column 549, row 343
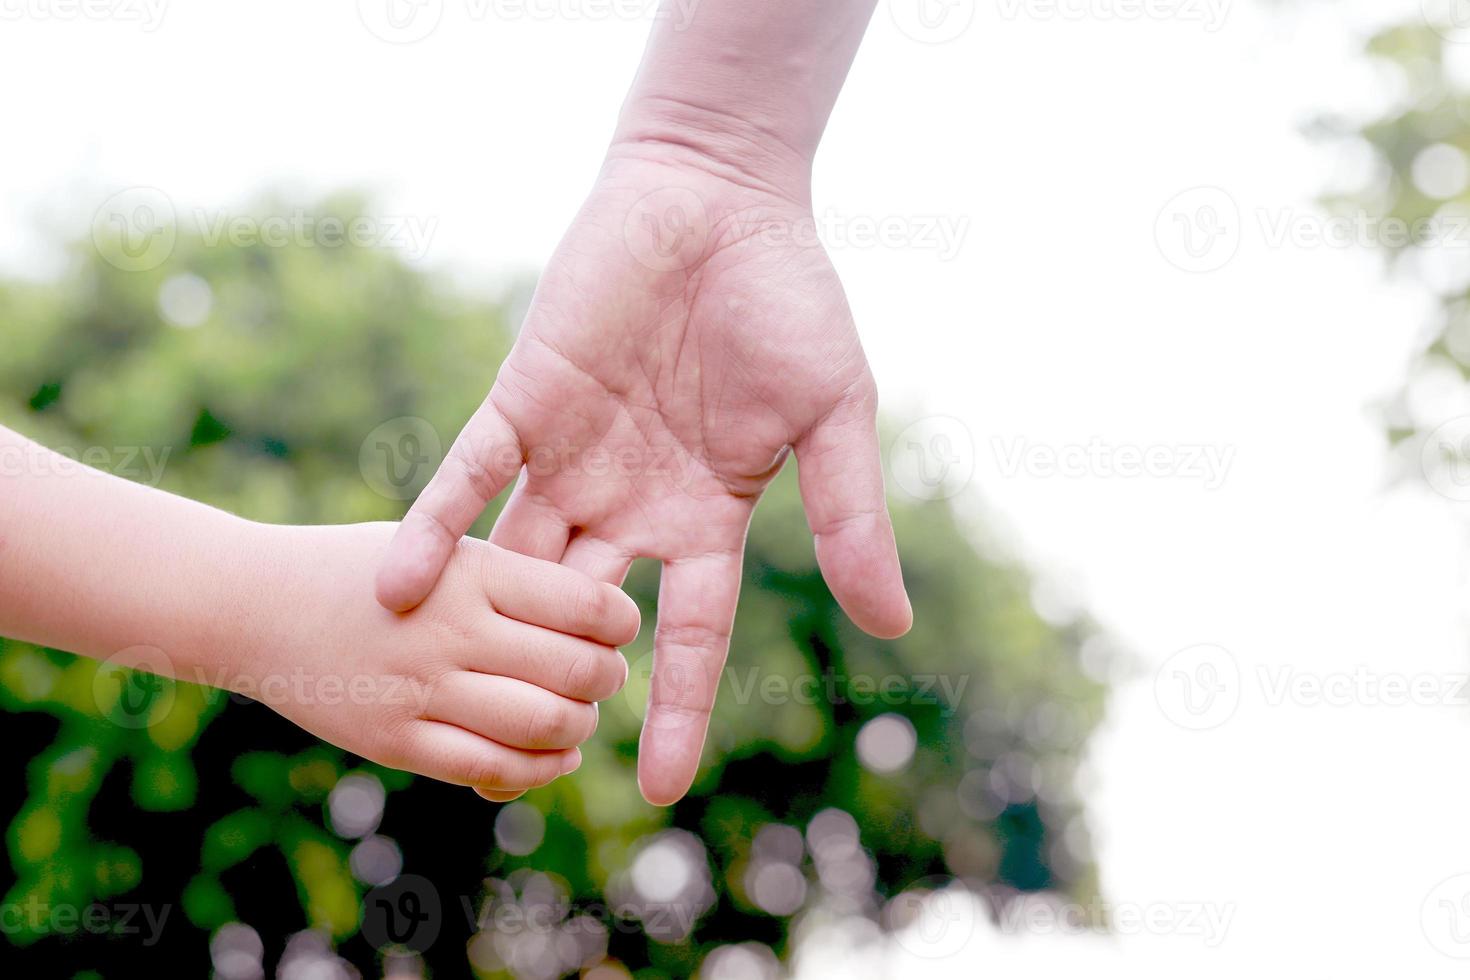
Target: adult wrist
column 743, row 88
column 742, row 148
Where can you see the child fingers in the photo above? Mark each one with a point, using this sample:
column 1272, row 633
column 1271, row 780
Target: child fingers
column 566, row 665
column 455, row 755
column 512, row 712
column 545, row 594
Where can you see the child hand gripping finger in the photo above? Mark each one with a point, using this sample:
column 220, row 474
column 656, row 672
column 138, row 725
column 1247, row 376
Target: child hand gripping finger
column 490, row 683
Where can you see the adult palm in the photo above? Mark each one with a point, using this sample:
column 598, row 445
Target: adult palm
column 687, row 334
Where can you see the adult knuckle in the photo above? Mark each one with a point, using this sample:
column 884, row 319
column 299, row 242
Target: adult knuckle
column 681, row 687
column 474, row 473
column 692, row 636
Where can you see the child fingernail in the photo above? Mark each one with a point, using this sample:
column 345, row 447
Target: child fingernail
column 571, row 762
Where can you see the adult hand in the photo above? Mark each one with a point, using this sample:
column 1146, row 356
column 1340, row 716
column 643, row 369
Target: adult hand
column 688, row 331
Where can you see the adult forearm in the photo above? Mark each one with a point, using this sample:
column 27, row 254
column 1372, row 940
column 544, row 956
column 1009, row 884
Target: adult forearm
column 748, row 84
column 97, row 565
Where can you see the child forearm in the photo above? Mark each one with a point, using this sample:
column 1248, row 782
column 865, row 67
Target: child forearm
column 96, row 565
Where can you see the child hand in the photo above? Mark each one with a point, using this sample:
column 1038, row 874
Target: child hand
column 490, row 683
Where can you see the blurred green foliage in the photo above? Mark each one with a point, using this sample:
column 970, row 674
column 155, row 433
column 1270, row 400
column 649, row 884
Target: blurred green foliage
column 1417, row 147
column 262, row 409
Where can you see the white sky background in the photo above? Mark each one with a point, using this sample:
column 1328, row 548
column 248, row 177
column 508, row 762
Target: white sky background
column 1059, row 321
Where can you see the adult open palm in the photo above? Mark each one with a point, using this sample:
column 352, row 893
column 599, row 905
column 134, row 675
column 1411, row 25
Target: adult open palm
column 688, row 333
